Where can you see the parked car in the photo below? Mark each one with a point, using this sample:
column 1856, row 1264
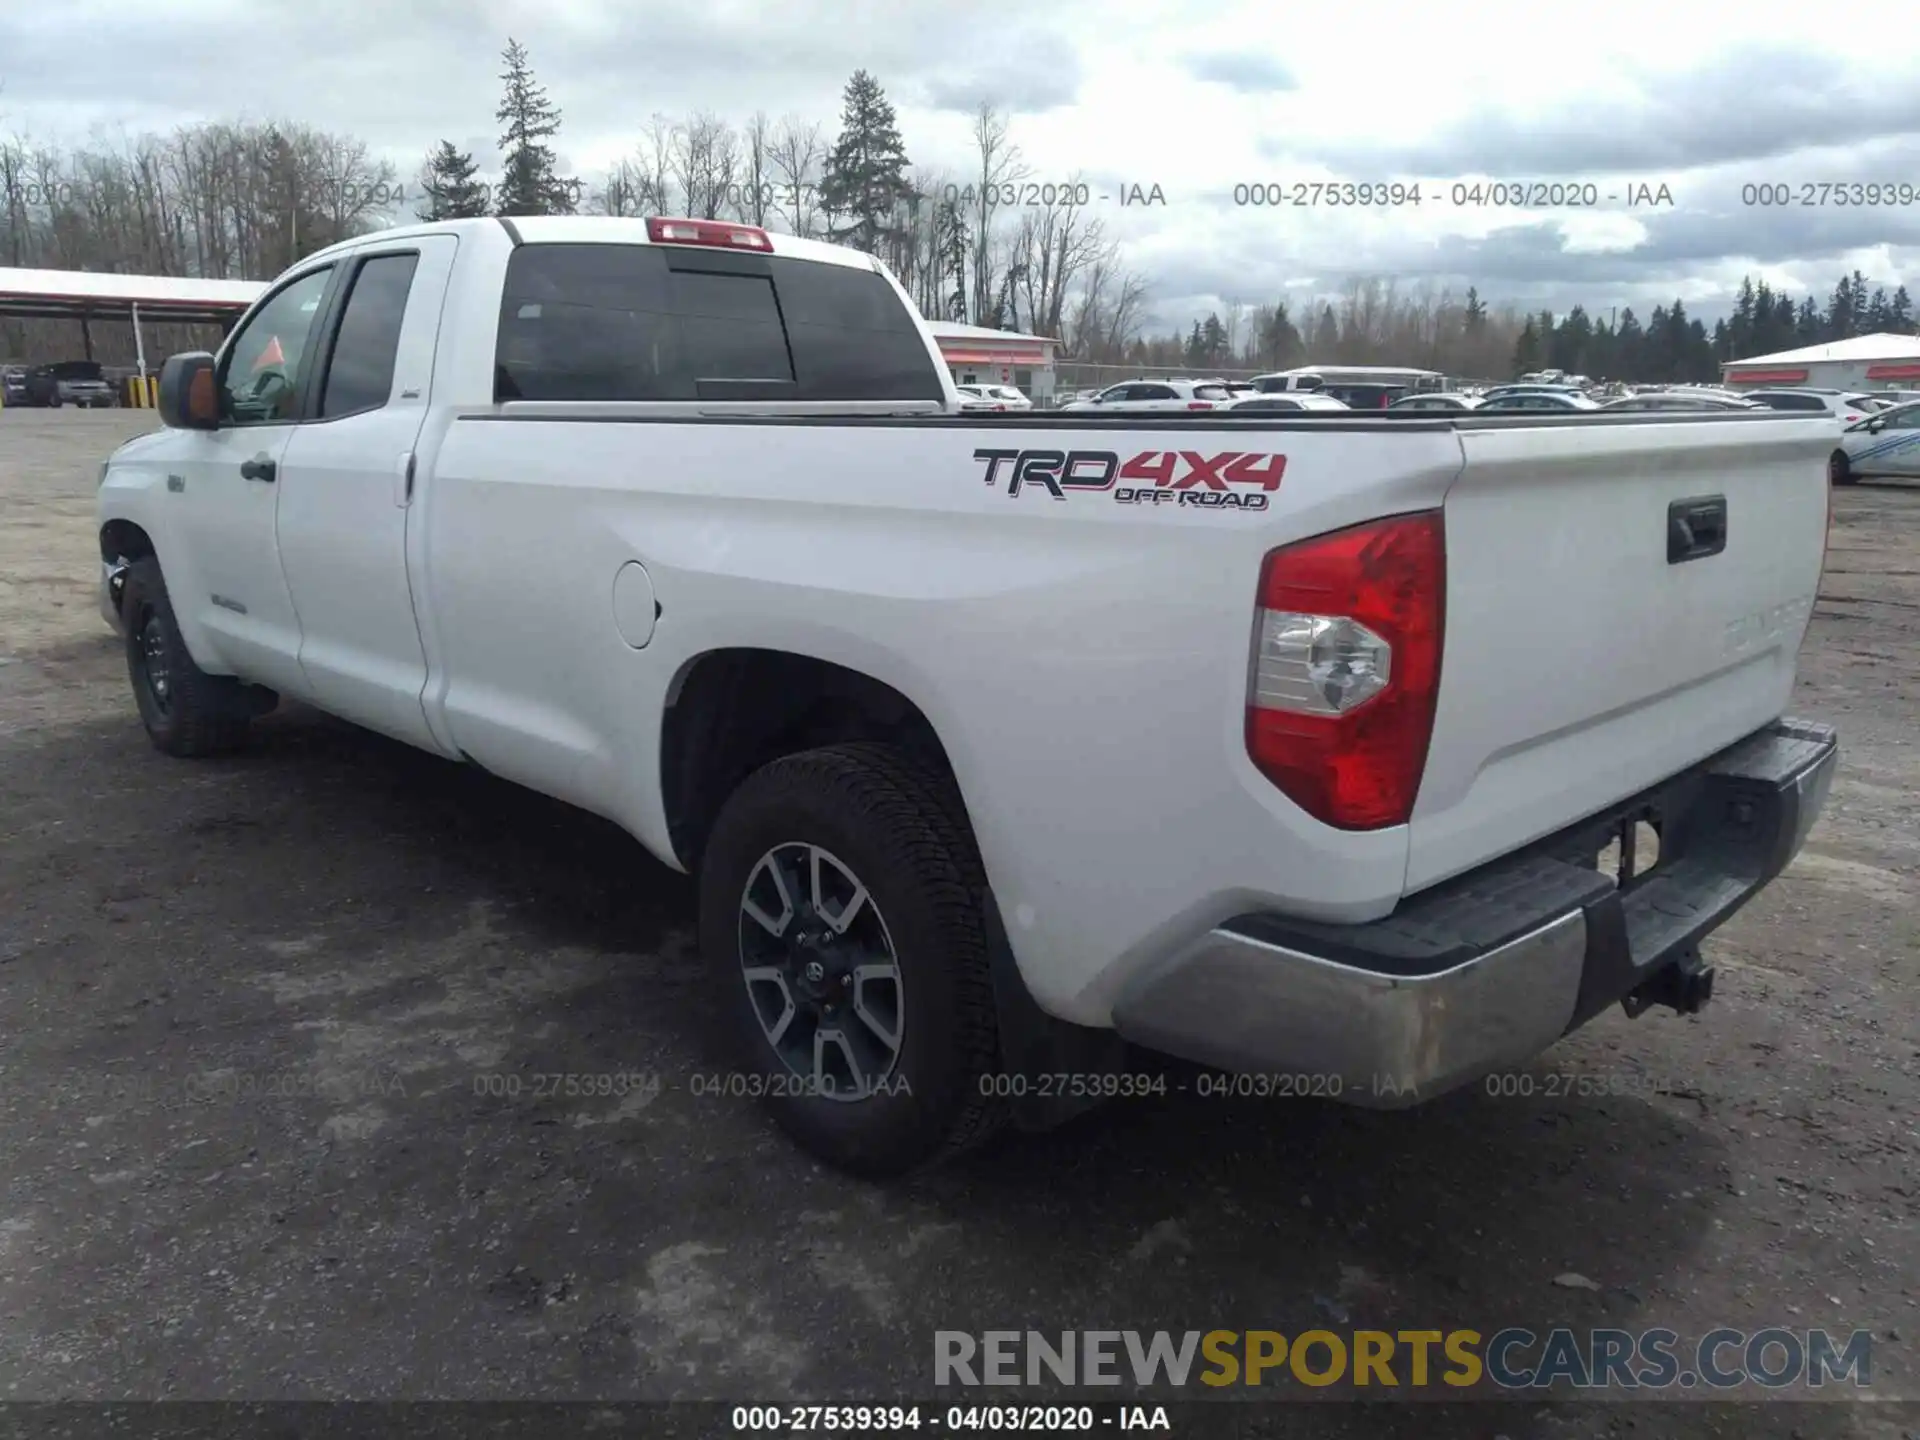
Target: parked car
column 938, row 856
column 1883, row 444
column 1846, row 406
column 997, row 397
column 1149, row 395
column 1436, row 400
column 1563, row 400
column 1296, row 401
column 1496, row 392
column 1363, row 396
column 72, row 382
column 1669, row 400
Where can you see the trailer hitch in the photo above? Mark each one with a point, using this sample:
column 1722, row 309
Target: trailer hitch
column 1684, row 985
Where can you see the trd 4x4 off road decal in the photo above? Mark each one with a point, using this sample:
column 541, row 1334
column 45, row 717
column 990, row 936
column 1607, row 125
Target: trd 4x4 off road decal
column 1160, row 477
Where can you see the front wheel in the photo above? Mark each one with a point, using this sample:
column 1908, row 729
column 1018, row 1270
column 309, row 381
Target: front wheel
column 186, row 711
column 1840, row 469
column 841, row 914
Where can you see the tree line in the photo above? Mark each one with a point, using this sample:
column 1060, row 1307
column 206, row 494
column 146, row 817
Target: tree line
column 246, row 199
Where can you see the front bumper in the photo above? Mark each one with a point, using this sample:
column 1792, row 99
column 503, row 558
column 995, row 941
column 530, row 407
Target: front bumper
column 113, row 579
column 1493, row 967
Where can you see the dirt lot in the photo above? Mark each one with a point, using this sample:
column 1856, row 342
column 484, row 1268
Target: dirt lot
column 249, row 1010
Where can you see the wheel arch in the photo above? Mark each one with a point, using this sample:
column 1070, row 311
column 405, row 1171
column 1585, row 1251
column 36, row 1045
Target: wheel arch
column 732, row 710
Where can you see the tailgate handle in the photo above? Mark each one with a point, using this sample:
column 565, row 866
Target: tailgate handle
column 1696, row 528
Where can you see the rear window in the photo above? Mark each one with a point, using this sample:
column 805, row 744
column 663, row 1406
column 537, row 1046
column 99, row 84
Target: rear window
column 619, row 322
column 1792, row 402
column 1211, row 392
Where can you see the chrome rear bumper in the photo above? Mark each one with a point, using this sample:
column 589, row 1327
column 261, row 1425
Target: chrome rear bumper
column 1491, row 968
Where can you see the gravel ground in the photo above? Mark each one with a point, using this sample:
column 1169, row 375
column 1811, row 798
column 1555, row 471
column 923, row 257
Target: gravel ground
column 249, row 1012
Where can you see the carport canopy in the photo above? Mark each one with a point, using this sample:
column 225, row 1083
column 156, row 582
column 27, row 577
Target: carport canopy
column 86, row 296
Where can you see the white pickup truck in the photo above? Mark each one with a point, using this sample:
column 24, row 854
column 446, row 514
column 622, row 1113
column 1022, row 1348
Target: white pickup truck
column 1000, row 745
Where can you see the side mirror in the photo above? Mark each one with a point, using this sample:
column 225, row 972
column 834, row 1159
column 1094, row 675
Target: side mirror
column 189, row 398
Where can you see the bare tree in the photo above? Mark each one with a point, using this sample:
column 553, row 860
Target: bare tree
column 797, row 152
column 220, row 199
column 705, row 161
column 757, row 198
column 1056, row 243
column 999, row 167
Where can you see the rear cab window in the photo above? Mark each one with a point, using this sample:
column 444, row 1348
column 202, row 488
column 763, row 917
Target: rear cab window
column 360, row 371
column 678, row 323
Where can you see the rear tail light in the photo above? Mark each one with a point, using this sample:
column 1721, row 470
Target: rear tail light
column 1199, row 404
column 1347, row 668
column 717, row 233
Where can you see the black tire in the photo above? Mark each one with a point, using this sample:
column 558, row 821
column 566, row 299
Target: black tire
column 1840, row 469
column 897, row 827
column 186, row 711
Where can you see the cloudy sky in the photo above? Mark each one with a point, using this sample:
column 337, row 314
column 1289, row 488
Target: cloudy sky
column 1700, row 98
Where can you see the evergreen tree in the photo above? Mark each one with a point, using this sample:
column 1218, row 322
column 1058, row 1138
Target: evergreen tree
column 1843, row 319
column 1572, row 341
column 529, row 184
column 450, row 191
column 1808, row 323
column 952, row 229
column 1877, row 313
column 864, row 180
column 1700, row 366
column 1280, row 343
column 1214, row 337
column 1475, row 317
column 1782, row 332
column 1900, row 312
column 1196, row 348
column 1741, row 339
column 1526, row 349
column 1326, row 338
column 1629, row 347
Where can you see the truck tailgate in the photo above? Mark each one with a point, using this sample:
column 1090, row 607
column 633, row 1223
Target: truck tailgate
column 1595, row 644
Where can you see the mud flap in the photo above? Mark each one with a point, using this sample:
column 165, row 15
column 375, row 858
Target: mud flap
column 1034, row 1044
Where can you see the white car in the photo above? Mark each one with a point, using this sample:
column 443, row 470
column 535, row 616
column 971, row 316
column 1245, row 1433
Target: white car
column 1847, row 406
column 1151, row 395
column 1535, row 402
column 1296, row 400
column 994, row 397
column 1883, row 444
column 992, row 743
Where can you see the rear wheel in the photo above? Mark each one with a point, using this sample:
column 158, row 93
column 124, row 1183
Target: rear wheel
column 1840, row 469
column 841, row 913
column 186, row 711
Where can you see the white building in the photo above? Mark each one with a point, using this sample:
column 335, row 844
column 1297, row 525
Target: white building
column 979, row 356
column 1866, row 362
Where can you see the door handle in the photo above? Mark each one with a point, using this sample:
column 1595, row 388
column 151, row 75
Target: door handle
column 1696, row 528
column 261, row 467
